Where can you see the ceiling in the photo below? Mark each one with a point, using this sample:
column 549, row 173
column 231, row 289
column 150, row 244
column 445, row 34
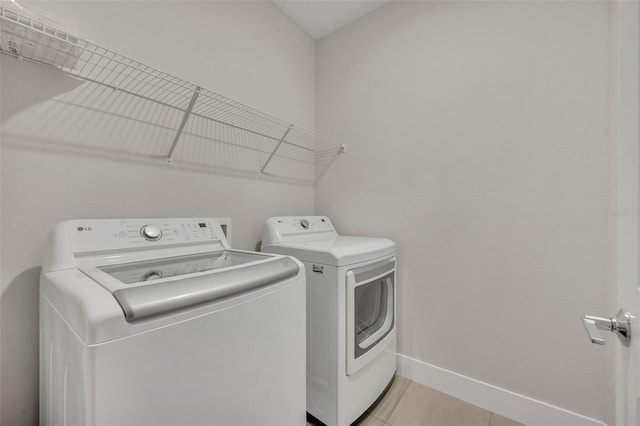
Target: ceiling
column 320, row 18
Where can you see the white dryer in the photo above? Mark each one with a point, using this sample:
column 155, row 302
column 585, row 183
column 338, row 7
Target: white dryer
column 159, row 322
column 351, row 334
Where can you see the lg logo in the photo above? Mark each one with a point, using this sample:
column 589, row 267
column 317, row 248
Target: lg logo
column 83, row 228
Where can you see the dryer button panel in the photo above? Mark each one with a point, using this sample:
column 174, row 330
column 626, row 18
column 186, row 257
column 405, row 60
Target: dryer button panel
column 297, row 228
column 303, row 224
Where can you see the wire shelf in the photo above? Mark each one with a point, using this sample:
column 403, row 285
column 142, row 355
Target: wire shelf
column 195, row 126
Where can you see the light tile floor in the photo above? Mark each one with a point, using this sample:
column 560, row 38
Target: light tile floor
column 408, row 403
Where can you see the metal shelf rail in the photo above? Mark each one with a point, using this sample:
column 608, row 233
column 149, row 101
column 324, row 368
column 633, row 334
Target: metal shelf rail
column 276, row 148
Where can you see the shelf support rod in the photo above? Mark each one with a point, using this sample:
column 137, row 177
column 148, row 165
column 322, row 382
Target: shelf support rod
column 187, row 113
column 276, row 148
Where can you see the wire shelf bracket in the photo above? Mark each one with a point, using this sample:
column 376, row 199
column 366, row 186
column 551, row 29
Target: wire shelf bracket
column 187, row 113
column 286, row 132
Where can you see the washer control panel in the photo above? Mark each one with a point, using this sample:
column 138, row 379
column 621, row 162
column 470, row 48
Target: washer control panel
column 107, row 234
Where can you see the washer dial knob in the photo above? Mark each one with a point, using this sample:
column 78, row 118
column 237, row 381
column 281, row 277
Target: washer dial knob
column 151, row 232
column 304, row 223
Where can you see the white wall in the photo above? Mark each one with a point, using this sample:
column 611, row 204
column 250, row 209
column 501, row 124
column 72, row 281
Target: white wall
column 245, row 50
column 477, row 140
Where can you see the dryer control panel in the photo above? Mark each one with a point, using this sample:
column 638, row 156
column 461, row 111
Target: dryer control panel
column 297, row 228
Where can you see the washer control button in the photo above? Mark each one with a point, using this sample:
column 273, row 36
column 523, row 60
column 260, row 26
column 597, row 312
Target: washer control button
column 304, row 223
column 151, row 232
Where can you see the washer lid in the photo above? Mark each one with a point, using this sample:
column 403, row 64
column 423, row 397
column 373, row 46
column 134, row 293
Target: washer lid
column 159, row 286
column 339, row 251
column 149, row 270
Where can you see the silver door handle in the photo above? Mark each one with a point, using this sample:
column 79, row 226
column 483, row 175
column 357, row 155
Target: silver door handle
column 620, row 325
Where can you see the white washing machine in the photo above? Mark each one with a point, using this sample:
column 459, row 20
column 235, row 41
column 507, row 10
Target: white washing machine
column 159, row 322
column 351, row 335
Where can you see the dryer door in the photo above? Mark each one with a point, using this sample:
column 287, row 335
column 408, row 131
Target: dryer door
column 370, row 312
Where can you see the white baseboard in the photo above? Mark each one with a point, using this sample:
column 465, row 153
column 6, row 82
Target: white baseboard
column 518, row 407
